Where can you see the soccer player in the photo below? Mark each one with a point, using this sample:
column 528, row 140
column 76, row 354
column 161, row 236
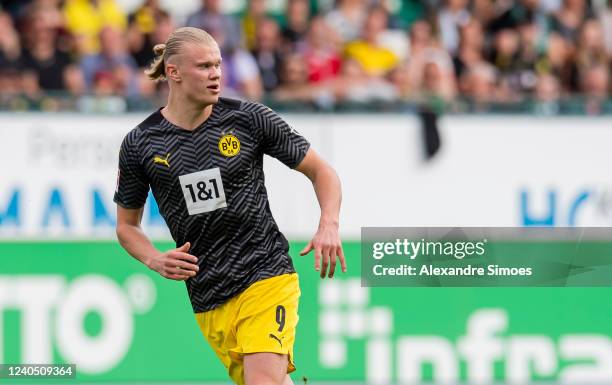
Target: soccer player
column 202, row 156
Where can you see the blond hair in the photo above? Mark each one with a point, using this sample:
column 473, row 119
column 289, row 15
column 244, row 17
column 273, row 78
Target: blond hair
column 173, row 46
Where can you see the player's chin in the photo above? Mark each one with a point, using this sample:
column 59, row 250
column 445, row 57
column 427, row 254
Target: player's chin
column 211, row 98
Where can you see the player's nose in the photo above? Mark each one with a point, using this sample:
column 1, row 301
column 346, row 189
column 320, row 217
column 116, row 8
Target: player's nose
column 215, row 74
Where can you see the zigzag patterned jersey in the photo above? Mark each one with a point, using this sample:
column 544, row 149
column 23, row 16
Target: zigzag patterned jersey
column 209, row 186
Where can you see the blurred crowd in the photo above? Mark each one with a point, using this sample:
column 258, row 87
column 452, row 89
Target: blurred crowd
column 317, row 53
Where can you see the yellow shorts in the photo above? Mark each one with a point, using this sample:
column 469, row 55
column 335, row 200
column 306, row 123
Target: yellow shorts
column 263, row 318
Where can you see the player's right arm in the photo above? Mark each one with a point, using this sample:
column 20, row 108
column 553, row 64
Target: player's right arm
column 130, row 196
column 174, row 264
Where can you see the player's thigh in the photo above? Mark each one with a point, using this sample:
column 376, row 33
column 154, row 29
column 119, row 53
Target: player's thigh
column 265, row 368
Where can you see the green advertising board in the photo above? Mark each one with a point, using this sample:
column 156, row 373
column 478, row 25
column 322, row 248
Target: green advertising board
column 90, row 304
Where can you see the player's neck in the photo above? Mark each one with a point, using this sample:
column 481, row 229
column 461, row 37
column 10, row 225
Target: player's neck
column 185, row 115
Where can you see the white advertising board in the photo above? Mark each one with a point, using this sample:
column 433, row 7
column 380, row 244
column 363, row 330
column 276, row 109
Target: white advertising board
column 58, row 173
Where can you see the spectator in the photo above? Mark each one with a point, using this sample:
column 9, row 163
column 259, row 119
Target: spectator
column 267, row 53
column 104, row 84
column 505, row 53
column 548, row 88
column 297, row 20
column 471, row 47
column 294, row 85
column 355, row 85
column 142, row 24
column 588, row 51
column 374, row 59
column 595, row 84
column 514, row 60
column 451, row 18
column 547, row 95
column 41, row 55
column 532, row 48
column 112, row 65
column 569, row 19
column 421, row 37
column 479, row 83
column 163, row 28
column 322, row 59
column 74, row 81
column 10, row 48
column 437, row 80
column 255, row 13
column 164, row 25
column 428, row 58
column 347, row 19
column 104, row 98
column 595, row 81
column 400, row 79
column 210, row 17
column 30, row 85
column 591, row 45
column 10, row 84
column 557, row 61
column 517, row 12
column 483, row 11
column 49, row 10
column 86, row 19
column 605, row 17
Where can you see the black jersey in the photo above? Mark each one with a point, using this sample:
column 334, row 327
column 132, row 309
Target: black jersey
column 209, row 186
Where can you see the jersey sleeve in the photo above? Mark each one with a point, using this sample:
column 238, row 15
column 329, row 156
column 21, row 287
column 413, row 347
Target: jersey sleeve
column 279, row 139
column 132, row 184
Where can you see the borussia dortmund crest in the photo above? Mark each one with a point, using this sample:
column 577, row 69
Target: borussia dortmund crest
column 229, row 145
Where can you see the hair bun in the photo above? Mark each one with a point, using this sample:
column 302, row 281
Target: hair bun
column 159, row 49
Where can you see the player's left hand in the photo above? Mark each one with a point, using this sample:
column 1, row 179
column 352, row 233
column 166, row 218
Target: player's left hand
column 327, row 246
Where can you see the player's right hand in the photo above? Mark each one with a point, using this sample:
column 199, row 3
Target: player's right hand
column 176, row 264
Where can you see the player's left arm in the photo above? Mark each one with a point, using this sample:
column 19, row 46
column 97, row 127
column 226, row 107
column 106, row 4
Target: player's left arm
column 326, row 242
column 279, row 140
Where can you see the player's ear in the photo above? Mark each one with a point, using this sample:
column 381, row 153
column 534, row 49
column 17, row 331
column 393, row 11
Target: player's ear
column 172, row 72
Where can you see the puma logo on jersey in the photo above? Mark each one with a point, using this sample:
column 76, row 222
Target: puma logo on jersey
column 276, row 338
column 161, row 160
column 294, row 131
